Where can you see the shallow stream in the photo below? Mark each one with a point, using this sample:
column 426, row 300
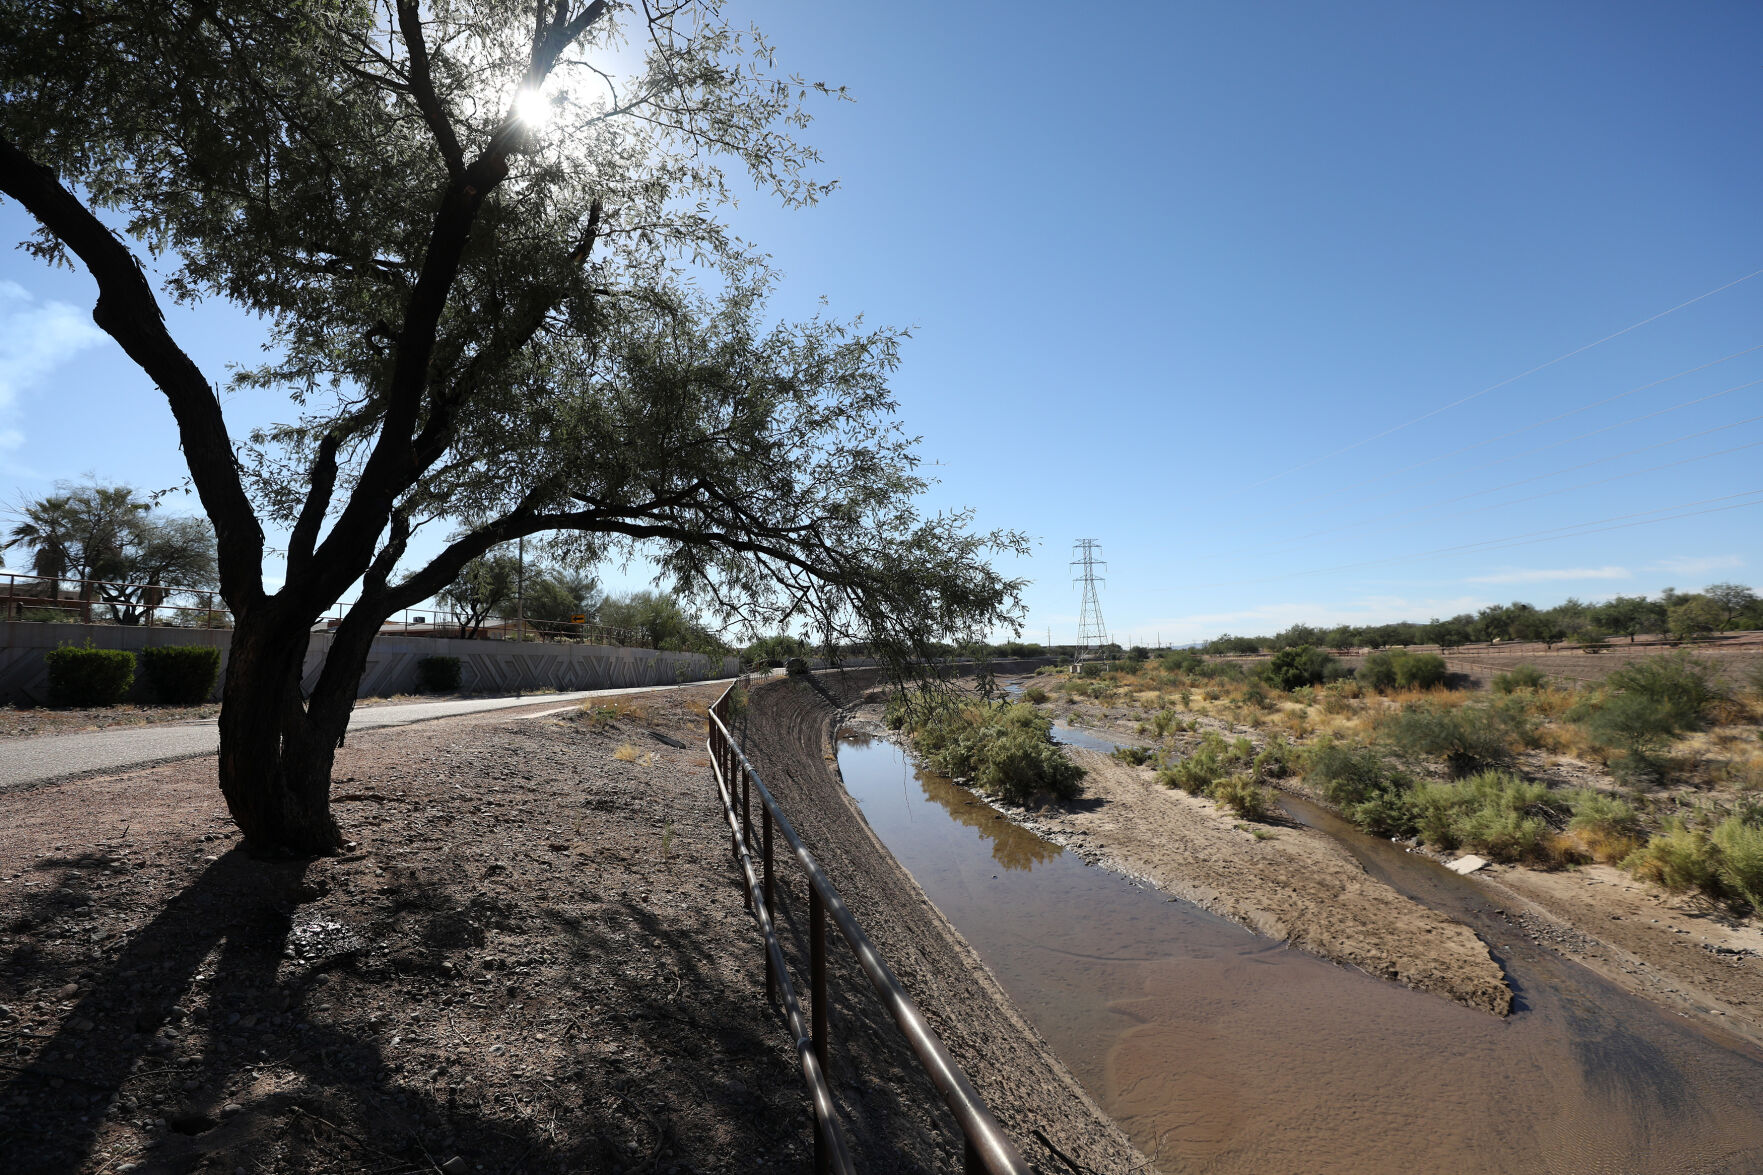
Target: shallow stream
column 1221, row 1051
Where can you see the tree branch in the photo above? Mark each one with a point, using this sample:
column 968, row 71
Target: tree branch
column 422, row 86
column 318, row 500
column 128, row 312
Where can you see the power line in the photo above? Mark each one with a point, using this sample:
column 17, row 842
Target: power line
column 1494, row 387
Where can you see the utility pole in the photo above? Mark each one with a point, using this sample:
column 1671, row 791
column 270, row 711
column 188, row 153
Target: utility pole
column 1092, row 634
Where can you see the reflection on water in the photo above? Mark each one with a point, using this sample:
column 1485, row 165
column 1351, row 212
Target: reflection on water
column 1073, row 736
column 1222, row 1052
column 1011, row 846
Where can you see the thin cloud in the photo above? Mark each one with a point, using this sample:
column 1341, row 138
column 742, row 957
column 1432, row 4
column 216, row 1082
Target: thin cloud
column 35, row 338
column 1552, row 574
column 1692, row 565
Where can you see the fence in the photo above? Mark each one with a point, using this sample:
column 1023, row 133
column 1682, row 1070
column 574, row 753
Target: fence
column 988, row 1149
column 151, row 605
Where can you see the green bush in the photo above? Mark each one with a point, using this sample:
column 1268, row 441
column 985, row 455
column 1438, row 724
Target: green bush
column 1006, row 749
column 1493, row 813
column 1298, row 666
column 180, row 675
column 1034, row 694
column 88, row 676
column 1741, row 860
column 1678, row 857
column 1378, row 672
column 1365, row 786
column 1133, row 756
column 1520, row 677
column 1683, row 690
column 1467, row 738
column 1419, row 670
column 1242, row 795
column 438, row 675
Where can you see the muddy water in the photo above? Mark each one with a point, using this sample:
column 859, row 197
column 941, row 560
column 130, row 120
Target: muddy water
column 1219, row 1051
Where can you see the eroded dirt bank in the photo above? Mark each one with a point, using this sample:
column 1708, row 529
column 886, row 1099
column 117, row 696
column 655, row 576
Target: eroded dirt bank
column 790, row 725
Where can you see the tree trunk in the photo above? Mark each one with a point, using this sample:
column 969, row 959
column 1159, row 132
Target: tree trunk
column 276, row 751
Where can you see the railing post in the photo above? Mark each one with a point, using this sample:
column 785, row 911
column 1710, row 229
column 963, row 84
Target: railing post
column 746, row 834
column 770, row 909
column 817, row 989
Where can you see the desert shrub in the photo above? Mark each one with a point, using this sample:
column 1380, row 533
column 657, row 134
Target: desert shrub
column 1297, row 666
column 1740, row 845
column 1639, row 727
column 1467, row 738
column 1208, row 763
column 180, row 675
column 1255, row 696
column 1520, row 677
column 1419, row 670
column 438, row 675
column 1034, row 694
column 1678, row 857
column 1493, row 813
column 1277, row 759
column 1005, row 750
column 84, row 676
column 1378, row 672
column 1133, row 756
column 1240, row 793
column 1368, row 789
column 1683, row 690
column 1604, row 828
column 1165, row 721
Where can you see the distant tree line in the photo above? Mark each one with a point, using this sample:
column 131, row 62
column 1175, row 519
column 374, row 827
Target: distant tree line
column 1719, row 607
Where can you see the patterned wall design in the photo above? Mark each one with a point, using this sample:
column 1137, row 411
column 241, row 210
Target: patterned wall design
column 489, row 667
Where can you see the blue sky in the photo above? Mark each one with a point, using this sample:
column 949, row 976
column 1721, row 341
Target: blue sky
column 1179, row 276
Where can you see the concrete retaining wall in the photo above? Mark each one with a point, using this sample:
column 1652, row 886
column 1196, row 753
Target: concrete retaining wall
column 488, row 667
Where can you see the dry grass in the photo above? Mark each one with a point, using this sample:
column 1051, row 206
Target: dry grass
column 627, row 753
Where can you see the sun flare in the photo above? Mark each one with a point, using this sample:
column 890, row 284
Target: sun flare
column 531, row 108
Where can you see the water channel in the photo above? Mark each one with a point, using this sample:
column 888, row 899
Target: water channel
column 1219, row 1051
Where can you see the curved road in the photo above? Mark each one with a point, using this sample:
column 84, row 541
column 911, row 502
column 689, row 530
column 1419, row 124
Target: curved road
column 26, row 761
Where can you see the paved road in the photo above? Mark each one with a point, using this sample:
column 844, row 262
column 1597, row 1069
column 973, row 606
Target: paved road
column 35, row 760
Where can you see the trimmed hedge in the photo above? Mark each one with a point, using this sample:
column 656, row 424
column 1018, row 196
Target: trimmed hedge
column 180, row 675
column 89, row 677
column 438, row 675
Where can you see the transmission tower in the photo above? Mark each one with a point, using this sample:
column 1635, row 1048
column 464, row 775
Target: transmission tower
column 1092, row 634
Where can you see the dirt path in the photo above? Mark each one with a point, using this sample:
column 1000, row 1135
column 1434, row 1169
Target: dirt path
column 790, row 730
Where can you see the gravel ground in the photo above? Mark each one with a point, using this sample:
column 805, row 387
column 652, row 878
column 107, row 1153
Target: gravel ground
column 535, row 959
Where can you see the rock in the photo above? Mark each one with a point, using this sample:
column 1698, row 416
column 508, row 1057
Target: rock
column 67, row 992
column 231, row 1108
column 1467, row 865
column 456, row 1166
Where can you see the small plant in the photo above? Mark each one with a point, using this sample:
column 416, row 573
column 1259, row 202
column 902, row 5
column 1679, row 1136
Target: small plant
column 1034, row 694
column 438, row 675
column 1133, row 756
column 180, row 675
column 627, row 753
column 85, row 676
column 1521, row 677
column 1242, row 795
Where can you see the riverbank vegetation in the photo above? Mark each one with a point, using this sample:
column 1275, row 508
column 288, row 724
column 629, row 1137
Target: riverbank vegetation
column 1657, row 769
column 1004, row 749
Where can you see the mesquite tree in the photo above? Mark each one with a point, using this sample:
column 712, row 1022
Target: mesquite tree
column 485, row 236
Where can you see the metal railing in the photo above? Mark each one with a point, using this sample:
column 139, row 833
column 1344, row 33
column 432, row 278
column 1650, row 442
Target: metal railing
column 988, row 1149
